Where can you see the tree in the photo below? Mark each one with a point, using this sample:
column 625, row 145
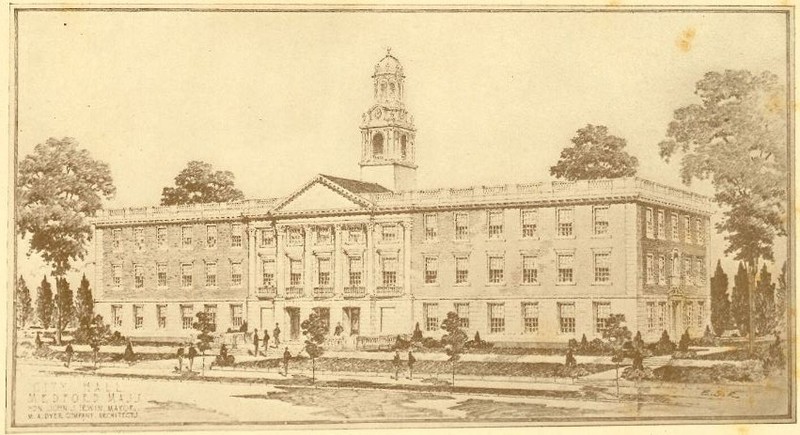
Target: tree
column 781, row 295
column 205, row 326
column 620, row 338
column 65, row 310
column 595, row 154
column 736, row 138
column 59, row 187
column 44, row 303
column 764, row 298
column 453, row 340
column 314, row 329
column 740, row 297
column 720, row 301
column 84, row 303
column 198, row 183
column 23, row 303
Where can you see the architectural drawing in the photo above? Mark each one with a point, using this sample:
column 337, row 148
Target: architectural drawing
column 374, row 295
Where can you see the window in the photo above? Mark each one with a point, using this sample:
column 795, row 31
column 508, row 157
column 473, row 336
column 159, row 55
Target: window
column 530, row 317
column 530, row 221
column 295, row 236
column 689, row 313
column 356, row 265
column 116, row 271
column 651, row 316
column 116, row 239
column 211, row 274
column 138, row 317
column 431, row 226
column 676, row 266
column 236, row 235
column 662, row 316
column 699, row 231
column 211, row 236
column 495, row 224
column 649, row 272
column 295, row 273
column 324, row 272
column 161, row 316
column 161, row 237
column 602, row 267
column 138, row 238
column 648, row 222
column 211, row 313
column 662, row 270
column 462, row 226
column 186, row 237
column 687, row 229
column 700, row 271
column 602, row 314
column 324, row 236
column 116, row 315
column 497, row 318
column 565, row 220
column 138, row 276
column 355, row 235
column 388, row 233
column 389, row 271
column 431, row 270
column 462, row 270
column 496, row 269
column 565, row 268
column 267, row 238
column 566, row 317
column 236, row 274
column 161, row 274
column 701, row 313
column 661, row 230
column 236, row 316
column 600, row 220
column 268, row 272
column 431, row 312
column 674, row 222
column 462, row 309
column 186, row 317
column 687, row 270
column 186, row 275
column 530, row 271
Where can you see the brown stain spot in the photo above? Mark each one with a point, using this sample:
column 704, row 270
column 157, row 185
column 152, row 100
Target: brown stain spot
column 614, row 2
column 776, row 103
column 743, row 430
column 685, row 39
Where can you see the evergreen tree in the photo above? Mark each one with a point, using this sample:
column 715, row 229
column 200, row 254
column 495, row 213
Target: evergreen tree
column 23, row 303
column 740, row 297
column 720, row 301
column 65, row 309
column 765, row 303
column 44, row 303
column 84, row 303
column 781, row 296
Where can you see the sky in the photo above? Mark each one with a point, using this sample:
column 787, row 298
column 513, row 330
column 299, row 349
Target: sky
column 278, row 97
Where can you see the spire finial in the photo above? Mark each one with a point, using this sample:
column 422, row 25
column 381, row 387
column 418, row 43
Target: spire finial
column 388, row 51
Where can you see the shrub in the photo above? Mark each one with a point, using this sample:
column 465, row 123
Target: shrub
column 416, row 336
column 572, row 344
column 477, row 344
column 664, row 346
column 749, row 371
column 401, row 343
column 431, row 343
column 683, row 345
column 129, row 355
column 774, row 358
column 637, row 374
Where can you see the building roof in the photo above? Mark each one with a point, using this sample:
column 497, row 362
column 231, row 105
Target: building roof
column 389, row 65
column 356, row 186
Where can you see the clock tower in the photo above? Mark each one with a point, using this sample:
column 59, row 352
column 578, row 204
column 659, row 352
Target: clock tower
column 387, row 131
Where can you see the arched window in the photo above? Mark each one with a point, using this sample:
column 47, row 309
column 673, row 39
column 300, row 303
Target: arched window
column 403, row 149
column 391, row 88
column 377, row 145
column 383, row 90
column 676, row 264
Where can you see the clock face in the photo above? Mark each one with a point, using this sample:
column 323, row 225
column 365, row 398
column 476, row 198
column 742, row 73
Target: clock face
column 376, row 114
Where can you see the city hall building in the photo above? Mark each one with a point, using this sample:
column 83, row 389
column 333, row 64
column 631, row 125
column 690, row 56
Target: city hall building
column 522, row 263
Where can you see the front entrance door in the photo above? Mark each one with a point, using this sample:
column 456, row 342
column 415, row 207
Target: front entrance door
column 353, row 318
column 676, row 318
column 267, row 318
column 294, row 322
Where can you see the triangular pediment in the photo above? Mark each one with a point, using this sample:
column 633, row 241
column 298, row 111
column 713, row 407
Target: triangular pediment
column 320, row 195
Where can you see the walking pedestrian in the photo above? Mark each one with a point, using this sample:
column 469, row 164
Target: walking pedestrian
column 95, row 352
column 338, row 330
column 411, row 361
column 255, row 342
column 68, row 350
column 276, row 335
column 397, row 364
column 180, row 353
column 286, row 356
column 266, row 342
column 38, row 340
column 192, row 354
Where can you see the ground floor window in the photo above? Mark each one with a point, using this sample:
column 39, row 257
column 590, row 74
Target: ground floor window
column 497, row 318
column 651, row 316
column 187, row 317
column 662, row 316
column 602, row 314
column 462, row 309
column 530, row 317
column 324, row 315
column 211, row 311
column 138, row 316
column 236, row 316
column 116, row 315
column 161, row 315
column 701, row 313
column 431, row 313
column 566, row 317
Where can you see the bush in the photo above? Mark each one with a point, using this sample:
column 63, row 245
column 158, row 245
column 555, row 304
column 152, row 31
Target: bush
column 574, row 372
column 750, row 371
column 683, row 345
column 416, row 336
column 401, row 343
column 637, row 374
column 431, row 343
column 477, row 344
column 664, row 346
column 128, row 355
column 774, row 358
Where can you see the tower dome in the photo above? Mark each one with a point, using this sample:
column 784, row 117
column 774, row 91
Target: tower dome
column 389, row 65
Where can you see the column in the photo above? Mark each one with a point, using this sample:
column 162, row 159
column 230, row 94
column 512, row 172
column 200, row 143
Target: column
column 406, row 225
column 280, row 262
column 252, row 255
column 369, row 266
column 308, row 265
column 338, row 262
